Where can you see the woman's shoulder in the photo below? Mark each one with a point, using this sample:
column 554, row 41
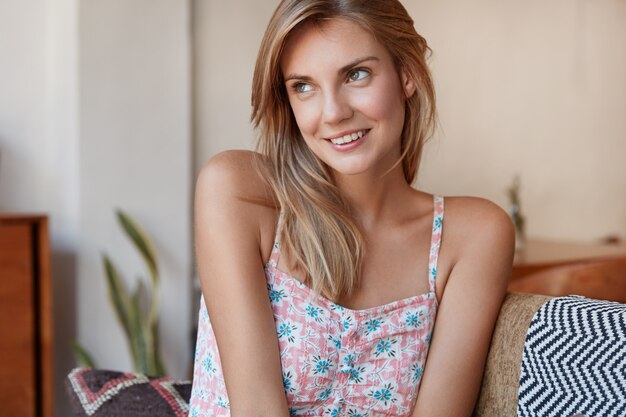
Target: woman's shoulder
column 238, row 174
column 234, row 198
column 477, row 246
column 472, row 222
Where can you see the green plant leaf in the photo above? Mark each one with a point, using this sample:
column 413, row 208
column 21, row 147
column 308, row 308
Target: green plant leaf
column 140, row 325
column 138, row 334
column 82, row 357
column 118, row 296
column 144, row 245
column 140, row 239
column 139, row 298
column 158, row 361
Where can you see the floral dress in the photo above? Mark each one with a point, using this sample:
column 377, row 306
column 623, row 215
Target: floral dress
column 335, row 361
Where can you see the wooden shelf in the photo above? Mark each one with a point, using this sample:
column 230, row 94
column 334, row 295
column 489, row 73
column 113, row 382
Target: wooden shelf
column 564, row 268
column 26, row 360
column 538, row 255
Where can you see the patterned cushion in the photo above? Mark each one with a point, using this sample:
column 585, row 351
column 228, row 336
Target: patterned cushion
column 574, row 360
column 100, row 393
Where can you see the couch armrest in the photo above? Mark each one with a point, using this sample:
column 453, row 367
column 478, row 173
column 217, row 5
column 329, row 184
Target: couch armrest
column 498, row 394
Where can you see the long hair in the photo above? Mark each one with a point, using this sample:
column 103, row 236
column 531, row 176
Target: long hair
column 319, row 232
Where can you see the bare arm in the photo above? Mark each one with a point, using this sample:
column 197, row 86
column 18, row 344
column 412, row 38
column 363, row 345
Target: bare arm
column 468, row 311
column 233, row 283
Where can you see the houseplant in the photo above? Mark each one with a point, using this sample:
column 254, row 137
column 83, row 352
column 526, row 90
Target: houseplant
column 136, row 311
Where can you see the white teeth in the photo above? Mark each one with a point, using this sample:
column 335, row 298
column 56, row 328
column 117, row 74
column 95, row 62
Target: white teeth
column 348, row 138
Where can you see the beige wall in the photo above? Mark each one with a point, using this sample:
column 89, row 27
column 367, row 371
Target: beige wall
column 535, row 88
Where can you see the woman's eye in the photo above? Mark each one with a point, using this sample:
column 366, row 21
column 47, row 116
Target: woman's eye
column 358, row 74
column 302, row 88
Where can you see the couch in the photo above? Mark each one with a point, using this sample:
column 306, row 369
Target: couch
column 114, row 394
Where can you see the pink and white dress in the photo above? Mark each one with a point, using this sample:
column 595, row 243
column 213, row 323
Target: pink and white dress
column 335, row 361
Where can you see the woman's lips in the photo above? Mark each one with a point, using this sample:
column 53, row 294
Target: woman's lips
column 359, row 136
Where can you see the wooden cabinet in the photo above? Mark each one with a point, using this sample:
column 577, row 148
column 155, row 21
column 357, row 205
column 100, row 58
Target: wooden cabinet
column 26, row 373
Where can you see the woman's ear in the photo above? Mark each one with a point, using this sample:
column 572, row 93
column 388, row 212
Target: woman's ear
column 408, row 84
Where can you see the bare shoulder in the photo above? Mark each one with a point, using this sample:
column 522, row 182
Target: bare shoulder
column 233, row 199
column 235, row 173
column 473, row 221
column 478, row 241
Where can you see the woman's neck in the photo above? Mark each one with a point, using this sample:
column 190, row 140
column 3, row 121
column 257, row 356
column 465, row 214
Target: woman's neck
column 374, row 198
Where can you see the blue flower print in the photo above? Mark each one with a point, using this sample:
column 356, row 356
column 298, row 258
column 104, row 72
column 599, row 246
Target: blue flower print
column 194, row 413
column 414, row 319
column 417, row 373
column 384, row 394
column 433, row 272
column 384, row 347
column 346, row 323
column 333, row 412
column 285, row 330
column 313, row 312
column 336, row 342
column 321, row 365
column 438, row 223
column 324, row 395
column 207, row 365
column 287, row 382
column 349, row 360
column 372, row 326
column 354, row 413
column 223, row 403
column 354, row 374
column 276, row 296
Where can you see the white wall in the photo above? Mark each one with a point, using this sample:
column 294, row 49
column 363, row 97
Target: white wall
column 79, row 137
column 22, row 112
column 535, row 88
column 39, row 143
column 135, row 154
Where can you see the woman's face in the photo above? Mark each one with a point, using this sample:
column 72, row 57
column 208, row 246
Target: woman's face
column 347, row 96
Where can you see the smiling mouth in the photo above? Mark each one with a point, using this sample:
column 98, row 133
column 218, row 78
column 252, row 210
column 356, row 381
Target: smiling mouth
column 350, row 137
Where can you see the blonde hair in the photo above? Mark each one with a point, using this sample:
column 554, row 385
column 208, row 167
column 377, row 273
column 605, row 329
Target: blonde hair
column 319, row 231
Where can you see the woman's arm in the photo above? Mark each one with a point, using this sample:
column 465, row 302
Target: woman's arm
column 230, row 264
column 481, row 238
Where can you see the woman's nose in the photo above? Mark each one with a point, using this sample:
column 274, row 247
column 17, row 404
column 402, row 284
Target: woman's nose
column 336, row 108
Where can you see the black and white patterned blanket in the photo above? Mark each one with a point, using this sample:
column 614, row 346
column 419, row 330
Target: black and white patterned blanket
column 574, row 360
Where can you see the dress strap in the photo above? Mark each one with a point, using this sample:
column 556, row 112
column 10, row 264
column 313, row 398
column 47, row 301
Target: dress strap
column 275, row 255
column 435, row 241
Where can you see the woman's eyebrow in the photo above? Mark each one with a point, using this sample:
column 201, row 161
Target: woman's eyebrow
column 342, row 70
column 356, row 62
column 297, row 77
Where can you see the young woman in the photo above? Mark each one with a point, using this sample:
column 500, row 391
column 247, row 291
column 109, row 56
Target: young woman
column 331, row 286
